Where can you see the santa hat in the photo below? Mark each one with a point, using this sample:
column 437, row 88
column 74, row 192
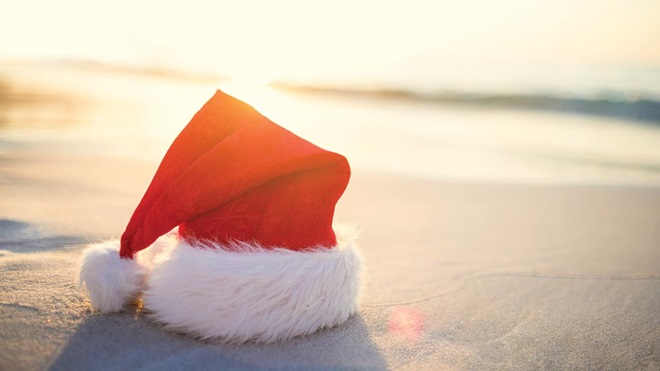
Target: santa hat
column 233, row 238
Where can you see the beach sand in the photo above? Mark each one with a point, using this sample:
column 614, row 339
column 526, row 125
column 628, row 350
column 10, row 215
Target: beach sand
column 460, row 276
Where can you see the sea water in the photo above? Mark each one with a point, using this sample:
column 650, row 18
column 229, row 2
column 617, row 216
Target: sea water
column 602, row 128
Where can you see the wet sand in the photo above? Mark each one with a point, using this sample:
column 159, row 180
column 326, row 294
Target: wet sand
column 460, row 276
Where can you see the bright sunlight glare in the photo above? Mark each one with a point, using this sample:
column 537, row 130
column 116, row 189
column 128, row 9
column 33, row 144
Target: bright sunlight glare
column 256, row 41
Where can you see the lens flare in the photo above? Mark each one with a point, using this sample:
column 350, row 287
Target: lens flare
column 406, row 322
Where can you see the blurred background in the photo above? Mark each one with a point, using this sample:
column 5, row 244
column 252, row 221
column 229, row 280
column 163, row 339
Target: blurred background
column 561, row 92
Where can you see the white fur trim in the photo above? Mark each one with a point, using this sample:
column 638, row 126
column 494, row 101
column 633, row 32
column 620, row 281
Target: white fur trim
column 235, row 293
column 110, row 281
column 248, row 293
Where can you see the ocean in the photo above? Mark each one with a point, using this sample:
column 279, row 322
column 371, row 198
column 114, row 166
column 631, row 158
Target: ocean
column 511, row 124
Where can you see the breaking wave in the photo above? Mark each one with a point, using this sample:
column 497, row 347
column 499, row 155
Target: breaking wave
column 641, row 109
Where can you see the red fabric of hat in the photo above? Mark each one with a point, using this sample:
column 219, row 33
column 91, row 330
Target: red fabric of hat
column 234, row 175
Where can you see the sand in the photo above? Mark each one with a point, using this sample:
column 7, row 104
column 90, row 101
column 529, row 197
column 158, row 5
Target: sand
column 461, row 276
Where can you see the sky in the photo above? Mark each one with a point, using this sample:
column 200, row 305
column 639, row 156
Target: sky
column 264, row 40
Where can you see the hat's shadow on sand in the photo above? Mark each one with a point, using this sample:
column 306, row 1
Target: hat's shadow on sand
column 127, row 341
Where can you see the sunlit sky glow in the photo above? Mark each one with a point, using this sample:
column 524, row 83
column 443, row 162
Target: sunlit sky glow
column 263, row 40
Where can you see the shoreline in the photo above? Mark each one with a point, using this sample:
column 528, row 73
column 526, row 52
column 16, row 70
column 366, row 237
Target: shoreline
column 114, row 114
